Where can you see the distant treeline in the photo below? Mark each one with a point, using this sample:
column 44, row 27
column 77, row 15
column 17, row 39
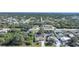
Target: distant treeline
column 37, row 14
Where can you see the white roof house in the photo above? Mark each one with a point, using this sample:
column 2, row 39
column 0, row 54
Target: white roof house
column 48, row 27
column 71, row 35
column 35, row 28
column 4, row 30
column 65, row 38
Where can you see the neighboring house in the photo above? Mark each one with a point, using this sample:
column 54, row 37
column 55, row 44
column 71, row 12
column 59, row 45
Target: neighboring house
column 48, row 27
column 4, row 30
column 35, row 29
column 12, row 20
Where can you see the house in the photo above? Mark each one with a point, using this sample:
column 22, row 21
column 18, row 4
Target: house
column 4, row 30
column 48, row 27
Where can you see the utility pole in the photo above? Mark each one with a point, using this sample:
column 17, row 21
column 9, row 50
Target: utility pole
column 42, row 33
